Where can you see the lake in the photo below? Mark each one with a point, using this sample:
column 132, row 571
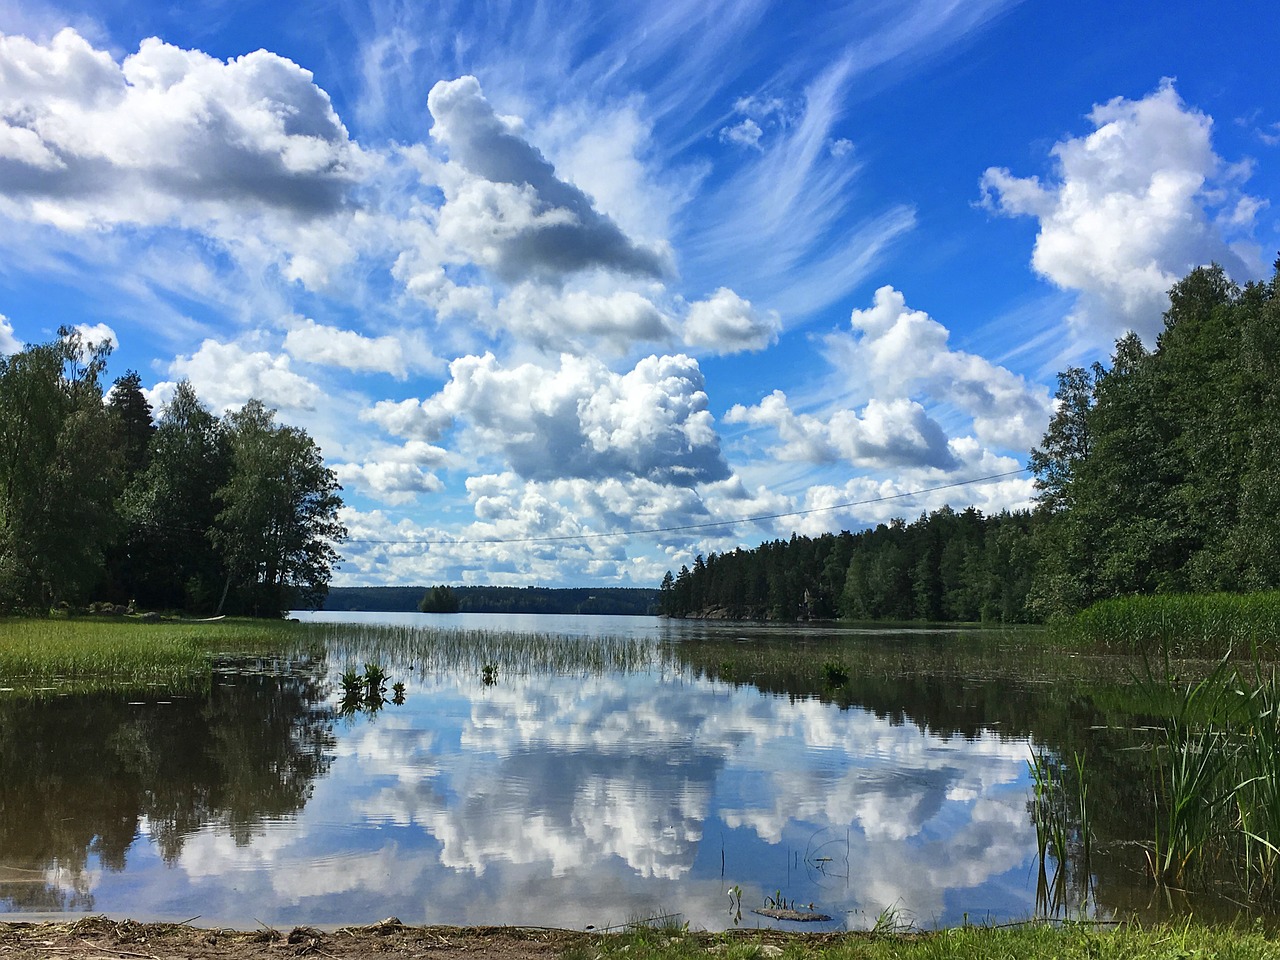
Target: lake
column 575, row 771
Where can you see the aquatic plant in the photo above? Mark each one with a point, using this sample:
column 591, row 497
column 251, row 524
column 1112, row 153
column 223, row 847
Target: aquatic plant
column 1183, row 624
column 366, row 692
column 1048, row 811
column 1190, row 771
column 103, row 654
column 1061, row 819
column 429, row 648
column 1257, row 791
column 835, row 673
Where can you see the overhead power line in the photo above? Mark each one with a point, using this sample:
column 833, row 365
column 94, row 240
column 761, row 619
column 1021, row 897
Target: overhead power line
column 679, row 528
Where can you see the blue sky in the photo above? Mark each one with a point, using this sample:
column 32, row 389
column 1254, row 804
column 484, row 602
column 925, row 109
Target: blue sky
column 534, row 272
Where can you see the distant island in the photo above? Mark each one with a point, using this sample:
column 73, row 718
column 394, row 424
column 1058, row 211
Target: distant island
column 609, row 601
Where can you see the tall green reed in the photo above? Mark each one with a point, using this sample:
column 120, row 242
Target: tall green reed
column 1182, row 624
column 1190, row 769
column 1216, row 776
column 1061, row 819
column 488, row 652
column 1257, row 793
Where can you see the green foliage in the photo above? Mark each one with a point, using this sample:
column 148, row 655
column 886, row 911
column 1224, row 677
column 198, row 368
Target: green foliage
column 946, row 566
column 279, row 515
column 366, row 693
column 1030, row 941
column 1161, row 474
column 439, row 599
column 59, row 472
column 1182, row 624
column 835, row 673
column 85, row 653
column 1215, row 776
column 97, row 502
column 170, row 506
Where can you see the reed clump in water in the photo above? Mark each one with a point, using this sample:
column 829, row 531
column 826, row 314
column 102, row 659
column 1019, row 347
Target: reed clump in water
column 1216, row 777
column 1183, row 624
column 1060, row 814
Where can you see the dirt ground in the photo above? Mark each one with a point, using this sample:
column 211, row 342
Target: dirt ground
column 100, row 938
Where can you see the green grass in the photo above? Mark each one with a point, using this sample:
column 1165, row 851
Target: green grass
column 491, row 653
column 90, row 653
column 111, row 653
column 1183, row 624
column 1034, row 941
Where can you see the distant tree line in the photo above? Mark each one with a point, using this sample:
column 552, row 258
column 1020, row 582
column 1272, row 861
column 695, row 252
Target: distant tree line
column 101, row 502
column 944, row 566
column 1158, row 474
column 616, row 601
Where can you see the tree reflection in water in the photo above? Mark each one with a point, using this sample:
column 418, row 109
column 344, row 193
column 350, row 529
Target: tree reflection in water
column 83, row 777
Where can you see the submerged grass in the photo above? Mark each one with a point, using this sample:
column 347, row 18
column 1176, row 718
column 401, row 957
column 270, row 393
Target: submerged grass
column 1183, row 624
column 487, row 653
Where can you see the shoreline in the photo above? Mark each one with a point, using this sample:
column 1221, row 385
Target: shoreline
column 96, row 936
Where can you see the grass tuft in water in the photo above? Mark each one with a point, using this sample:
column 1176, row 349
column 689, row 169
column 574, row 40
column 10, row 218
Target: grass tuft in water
column 488, row 654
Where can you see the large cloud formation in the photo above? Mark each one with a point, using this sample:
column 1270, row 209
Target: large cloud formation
column 510, row 212
column 1136, row 204
column 904, row 356
column 579, row 420
column 166, row 135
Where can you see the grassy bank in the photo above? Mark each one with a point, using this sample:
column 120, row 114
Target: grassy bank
column 1026, row 942
column 1184, row 624
column 124, row 652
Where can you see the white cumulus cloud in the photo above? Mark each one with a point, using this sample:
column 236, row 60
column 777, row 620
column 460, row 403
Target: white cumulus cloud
column 727, row 323
column 897, row 351
column 9, row 343
column 318, row 343
column 1131, row 208
column 898, row 369
column 228, row 375
column 745, row 134
column 390, row 481
column 166, row 135
column 579, row 419
column 886, row 434
column 98, row 334
column 580, row 319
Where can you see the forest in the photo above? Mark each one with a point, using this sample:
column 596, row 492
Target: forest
column 1159, row 473
column 622, row 601
column 103, row 504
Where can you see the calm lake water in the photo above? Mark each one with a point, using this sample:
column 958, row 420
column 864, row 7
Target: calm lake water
column 571, row 795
